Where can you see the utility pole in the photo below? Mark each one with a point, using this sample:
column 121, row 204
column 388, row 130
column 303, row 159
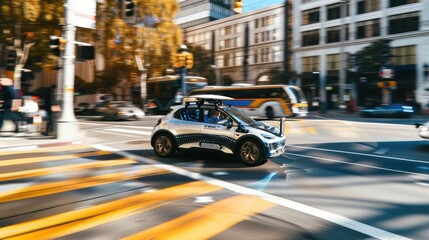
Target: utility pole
column 67, row 127
column 342, row 66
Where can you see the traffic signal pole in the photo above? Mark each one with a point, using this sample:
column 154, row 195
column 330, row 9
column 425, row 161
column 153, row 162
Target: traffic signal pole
column 67, row 127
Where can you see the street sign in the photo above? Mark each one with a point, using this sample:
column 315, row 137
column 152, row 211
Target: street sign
column 84, row 13
column 387, row 73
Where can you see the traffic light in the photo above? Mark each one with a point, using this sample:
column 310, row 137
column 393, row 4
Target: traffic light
column 129, row 8
column 189, row 60
column 56, row 44
column 238, row 6
column 180, row 60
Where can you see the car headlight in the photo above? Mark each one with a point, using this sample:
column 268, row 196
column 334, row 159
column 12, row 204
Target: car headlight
column 268, row 136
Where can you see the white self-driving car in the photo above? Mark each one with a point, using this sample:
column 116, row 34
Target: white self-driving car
column 204, row 122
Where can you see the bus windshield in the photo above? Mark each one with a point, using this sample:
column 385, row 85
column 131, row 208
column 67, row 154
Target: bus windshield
column 164, row 92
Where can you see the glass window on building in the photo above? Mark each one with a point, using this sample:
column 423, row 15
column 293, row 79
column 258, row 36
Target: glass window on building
column 276, row 34
column 276, row 54
column 227, row 60
column 219, row 61
column 310, row 64
column 404, row 23
column 334, row 11
column 255, row 56
column 367, row 29
column 333, row 62
column 256, row 38
column 221, row 44
column 365, row 6
column 265, row 55
column 310, row 38
column 404, row 55
column 311, row 16
column 395, row 3
column 229, row 30
column 333, row 34
column 238, row 59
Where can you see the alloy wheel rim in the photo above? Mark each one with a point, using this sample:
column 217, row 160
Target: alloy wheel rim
column 163, row 145
column 250, row 152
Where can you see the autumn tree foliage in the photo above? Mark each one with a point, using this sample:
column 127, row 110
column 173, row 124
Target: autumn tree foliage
column 150, row 34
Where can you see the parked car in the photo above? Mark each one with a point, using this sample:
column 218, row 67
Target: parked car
column 121, row 110
column 423, row 130
column 388, row 110
column 196, row 125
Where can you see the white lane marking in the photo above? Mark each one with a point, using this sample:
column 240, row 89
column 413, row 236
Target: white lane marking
column 128, row 131
column 356, row 164
column 130, row 126
column 109, row 132
column 322, row 214
column 382, row 151
column 423, row 184
column 361, row 154
column 203, row 199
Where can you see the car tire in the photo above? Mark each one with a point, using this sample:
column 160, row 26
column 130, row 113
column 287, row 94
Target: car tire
column 250, row 152
column 164, row 145
column 269, row 112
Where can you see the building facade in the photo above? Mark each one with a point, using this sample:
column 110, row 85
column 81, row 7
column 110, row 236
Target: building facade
column 196, row 12
column 244, row 46
column 321, row 44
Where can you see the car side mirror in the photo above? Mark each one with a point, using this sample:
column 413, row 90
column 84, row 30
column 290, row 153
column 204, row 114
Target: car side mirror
column 417, row 125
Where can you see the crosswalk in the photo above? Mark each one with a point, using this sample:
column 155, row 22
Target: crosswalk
column 96, row 189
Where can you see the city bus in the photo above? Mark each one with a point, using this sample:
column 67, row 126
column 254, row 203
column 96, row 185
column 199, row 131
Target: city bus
column 262, row 100
column 165, row 91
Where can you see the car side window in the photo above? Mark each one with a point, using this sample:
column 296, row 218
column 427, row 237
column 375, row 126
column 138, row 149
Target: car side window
column 213, row 116
column 190, row 114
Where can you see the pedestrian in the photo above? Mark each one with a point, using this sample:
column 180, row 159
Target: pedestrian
column 48, row 107
column 9, row 105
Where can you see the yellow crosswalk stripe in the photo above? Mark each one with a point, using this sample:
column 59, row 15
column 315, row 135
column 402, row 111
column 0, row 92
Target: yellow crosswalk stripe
column 19, row 161
column 39, row 150
column 207, row 222
column 62, row 169
column 79, row 220
column 73, row 184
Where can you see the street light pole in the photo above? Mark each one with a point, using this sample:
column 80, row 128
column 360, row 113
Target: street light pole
column 66, row 126
column 342, row 73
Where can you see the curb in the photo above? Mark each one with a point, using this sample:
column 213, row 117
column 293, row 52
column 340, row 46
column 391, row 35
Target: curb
column 41, row 145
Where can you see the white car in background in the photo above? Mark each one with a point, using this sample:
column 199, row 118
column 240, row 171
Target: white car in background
column 121, row 110
column 423, row 130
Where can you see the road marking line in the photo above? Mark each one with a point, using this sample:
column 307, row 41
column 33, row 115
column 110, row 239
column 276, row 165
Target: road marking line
column 79, row 220
column 41, row 150
column 128, row 131
column 62, row 169
column 360, row 154
column 208, row 221
column 20, row 161
column 74, row 184
column 355, row 164
column 312, row 211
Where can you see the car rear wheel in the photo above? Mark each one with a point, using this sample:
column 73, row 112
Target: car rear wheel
column 251, row 153
column 164, row 145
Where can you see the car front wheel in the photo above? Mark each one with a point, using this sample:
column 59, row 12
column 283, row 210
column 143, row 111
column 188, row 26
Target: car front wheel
column 164, row 145
column 251, row 153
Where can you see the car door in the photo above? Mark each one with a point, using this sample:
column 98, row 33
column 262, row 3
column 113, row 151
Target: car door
column 218, row 136
column 186, row 127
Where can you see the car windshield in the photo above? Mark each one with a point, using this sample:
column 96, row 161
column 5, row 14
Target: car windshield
column 241, row 117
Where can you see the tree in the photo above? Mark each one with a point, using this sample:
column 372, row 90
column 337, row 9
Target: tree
column 202, row 63
column 373, row 57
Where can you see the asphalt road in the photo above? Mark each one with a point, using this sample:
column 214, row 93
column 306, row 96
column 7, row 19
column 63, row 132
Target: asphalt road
column 339, row 179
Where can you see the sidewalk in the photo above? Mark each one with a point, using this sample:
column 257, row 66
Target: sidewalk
column 33, row 138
